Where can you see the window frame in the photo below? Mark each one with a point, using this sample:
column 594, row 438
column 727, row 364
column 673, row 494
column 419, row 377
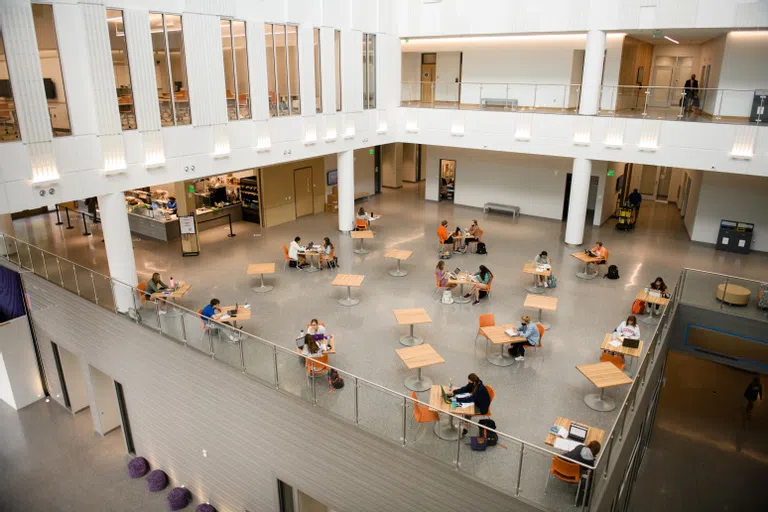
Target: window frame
column 318, row 60
column 289, row 110
column 169, row 69
column 128, row 65
column 61, row 70
column 231, row 22
column 10, row 100
column 369, row 67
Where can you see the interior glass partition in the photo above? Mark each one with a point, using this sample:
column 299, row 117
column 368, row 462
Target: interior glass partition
column 121, row 68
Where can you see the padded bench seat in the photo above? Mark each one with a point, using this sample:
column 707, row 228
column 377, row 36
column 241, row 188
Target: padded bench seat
column 514, row 210
column 735, row 295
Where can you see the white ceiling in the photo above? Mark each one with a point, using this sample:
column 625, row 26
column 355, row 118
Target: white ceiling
column 692, row 36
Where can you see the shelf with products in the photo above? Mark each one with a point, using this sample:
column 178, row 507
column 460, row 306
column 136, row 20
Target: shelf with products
column 250, row 192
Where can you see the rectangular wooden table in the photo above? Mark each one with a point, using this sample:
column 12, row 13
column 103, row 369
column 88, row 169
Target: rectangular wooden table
column 261, row 269
column 418, row 357
column 582, row 256
column 331, row 341
column 348, row 280
column 462, row 279
column 602, row 375
column 650, row 318
column 451, row 431
column 541, row 303
column 495, row 335
column 532, row 268
column 312, row 255
column 593, row 433
column 362, row 235
column 621, row 349
column 399, row 255
column 243, row 313
column 411, row 317
column 171, row 295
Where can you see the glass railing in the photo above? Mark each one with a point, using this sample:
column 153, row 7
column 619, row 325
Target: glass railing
column 516, row 468
column 732, row 295
column 671, row 103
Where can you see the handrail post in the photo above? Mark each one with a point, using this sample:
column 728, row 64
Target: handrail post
column 725, row 291
column 240, row 339
column 274, row 359
column 405, row 419
column 32, row 263
column 312, row 380
column 720, row 104
column 357, row 406
column 184, row 332
column 458, row 449
column 95, row 295
column 566, row 88
column 61, row 276
column 85, row 226
column 45, row 265
column 210, row 338
column 7, row 254
column 535, row 90
column 645, row 105
column 18, row 254
column 623, row 422
column 58, row 217
column 77, row 284
column 157, row 316
column 520, row 469
column 433, row 98
column 480, row 98
column 607, row 458
column 683, row 105
column 506, row 99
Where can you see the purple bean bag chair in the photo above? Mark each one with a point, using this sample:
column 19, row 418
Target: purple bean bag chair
column 205, row 507
column 179, row 498
column 138, row 467
column 157, row 480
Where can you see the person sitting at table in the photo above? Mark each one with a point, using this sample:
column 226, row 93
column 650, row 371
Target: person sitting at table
column 542, row 259
column 442, row 234
column 172, row 206
column 311, row 347
column 629, row 328
column 325, row 256
column 315, row 327
column 480, row 289
column 459, row 240
column 155, row 285
column 442, row 275
column 659, row 285
column 530, row 332
column 584, row 453
column 293, row 252
column 473, row 233
column 600, row 252
column 478, row 394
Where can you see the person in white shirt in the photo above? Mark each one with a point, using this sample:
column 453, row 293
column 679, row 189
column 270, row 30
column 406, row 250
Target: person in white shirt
column 294, row 249
column 542, row 259
column 629, row 328
column 315, row 327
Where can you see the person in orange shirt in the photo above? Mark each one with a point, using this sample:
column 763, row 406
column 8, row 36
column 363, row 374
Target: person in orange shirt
column 442, row 234
column 599, row 251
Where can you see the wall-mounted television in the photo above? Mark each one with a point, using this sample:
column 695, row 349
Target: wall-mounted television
column 50, row 88
column 332, row 177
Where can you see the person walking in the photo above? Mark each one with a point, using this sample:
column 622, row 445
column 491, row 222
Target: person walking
column 691, row 93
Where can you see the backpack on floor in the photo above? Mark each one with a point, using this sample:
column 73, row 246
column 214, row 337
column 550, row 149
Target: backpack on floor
column 334, row 380
column 334, row 263
column 478, row 443
column 638, row 307
column 613, row 272
column 445, row 255
column 447, row 297
column 481, row 248
column 552, row 281
column 491, row 438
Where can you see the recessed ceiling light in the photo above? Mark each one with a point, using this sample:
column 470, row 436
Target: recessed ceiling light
column 670, row 39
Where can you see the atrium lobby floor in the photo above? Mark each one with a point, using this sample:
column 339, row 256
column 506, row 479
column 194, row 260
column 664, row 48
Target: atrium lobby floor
column 529, row 394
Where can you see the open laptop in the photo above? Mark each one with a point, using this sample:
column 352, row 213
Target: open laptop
column 630, row 342
column 446, row 399
column 577, row 432
column 233, row 312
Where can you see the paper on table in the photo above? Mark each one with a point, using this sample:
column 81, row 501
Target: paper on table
column 614, row 343
column 464, row 405
column 511, row 332
column 462, row 395
column 224, row 317
column 566, row 444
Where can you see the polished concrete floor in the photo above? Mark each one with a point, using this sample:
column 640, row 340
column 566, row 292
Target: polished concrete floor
column 530, row 394
column 53, row 461
column 704, row 454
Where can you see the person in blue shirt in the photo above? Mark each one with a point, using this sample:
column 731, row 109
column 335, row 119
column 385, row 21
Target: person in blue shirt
column 172, row 206
column 210, row 310
column 530, row 332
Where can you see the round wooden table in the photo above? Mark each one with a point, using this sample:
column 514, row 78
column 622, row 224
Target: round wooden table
column 734, row 294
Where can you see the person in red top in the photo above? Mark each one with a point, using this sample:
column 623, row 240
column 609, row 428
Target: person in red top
column 442, row 233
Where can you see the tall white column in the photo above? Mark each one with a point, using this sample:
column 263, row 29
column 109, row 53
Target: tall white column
column 346, row 183
column 6, row 226
column 577, row 205
column 117, row 240
column 592, row 78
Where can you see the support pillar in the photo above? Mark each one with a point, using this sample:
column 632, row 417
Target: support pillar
column 577, row 204
column 346, row 183
column 592, row 77
column 6, row 226
column 117, row 241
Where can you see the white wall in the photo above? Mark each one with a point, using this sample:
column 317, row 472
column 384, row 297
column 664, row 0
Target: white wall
column 409, row 162
column 737, row 198
column 392, row 165
column 744, row 67
column 691, row 209
column 364, row 170
column 74, row 376
column 19, row 375
column 447, row 76
column 411, row 73
column 712, row 53
column 104, row 408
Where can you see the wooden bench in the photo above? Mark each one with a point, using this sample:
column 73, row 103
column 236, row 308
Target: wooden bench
column 498, row 102
column 362, row 195
column 514, row 210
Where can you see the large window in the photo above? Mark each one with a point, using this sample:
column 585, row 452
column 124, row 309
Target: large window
column 283, row 69
column 318, row 73
column 337, row 58
column 235, row 47
column 48, row 49
column 369, row 71
column 121, row 69
column 170, row 68
column 10, row 128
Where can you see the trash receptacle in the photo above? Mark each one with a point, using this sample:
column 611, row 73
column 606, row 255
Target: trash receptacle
column 735, row 236
column 759, row 103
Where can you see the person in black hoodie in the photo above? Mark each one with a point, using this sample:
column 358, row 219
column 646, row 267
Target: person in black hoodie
column 478, row 394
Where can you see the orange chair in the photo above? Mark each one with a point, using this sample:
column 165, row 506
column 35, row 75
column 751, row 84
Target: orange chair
column 488, row 290
column 491, row 395
column 143, row 295
column 316, row 365
column 617, row 360
column 361, row 225
column 487, row 320
column 325, row 259
column 422, row 414
column 565, row 471
column 287, row 258
column 541, row 337
column 439, row 288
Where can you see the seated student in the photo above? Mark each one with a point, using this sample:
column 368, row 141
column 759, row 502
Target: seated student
column 584, row 453
column 459, row 242
column 480, row 289
column 315, row 327
column 600, row 252
column 363, row 215
column 311, row 347
column 443, row 187
column 293, row 252
column 478, row 394
column 530, row 332
column 211, row 310
column 325, row 255
column 629, row 328
column 155, row 285
column 449, row 189
column 443, row 276
column 659, row 285
column 442, row 234
column 542, row 259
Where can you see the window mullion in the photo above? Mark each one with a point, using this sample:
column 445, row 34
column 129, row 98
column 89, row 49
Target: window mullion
column 168, row 67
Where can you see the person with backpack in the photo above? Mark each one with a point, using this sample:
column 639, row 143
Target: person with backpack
column 478, row 394
column 598, row 251
column 480, row 289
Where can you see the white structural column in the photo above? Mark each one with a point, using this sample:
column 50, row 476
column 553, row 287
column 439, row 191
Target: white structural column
column 117, row 240
column 6, row 226
column 346, row 183
column 577, row 205
column 592, row 78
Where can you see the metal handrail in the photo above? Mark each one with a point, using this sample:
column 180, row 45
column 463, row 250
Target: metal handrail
column 579, row 85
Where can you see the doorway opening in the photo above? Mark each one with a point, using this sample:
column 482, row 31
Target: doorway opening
column 428, row 68
column 127, row 434
column 655, row 182
column 447, row 179
column 377, row 169
column 62, row 379
column 302, row 192
column 669, row 72
column 594, row 182
column 294, row 500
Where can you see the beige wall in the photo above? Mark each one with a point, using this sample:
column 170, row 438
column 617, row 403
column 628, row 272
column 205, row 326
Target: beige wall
column 277, row 190
column 392, row 165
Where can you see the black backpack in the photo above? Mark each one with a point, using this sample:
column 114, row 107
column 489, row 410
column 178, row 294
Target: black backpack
column 481, row 248
column 613, row 272
column 491, row 438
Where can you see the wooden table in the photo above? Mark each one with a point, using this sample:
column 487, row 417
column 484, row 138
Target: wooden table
column 331, row 341
column 602, row 375
column 312, row 254
column 418, row 357
column 582, row 256
column 399, row 255
column 621, row 349
column 593, row 433
column 261, row 269
column 541, row 303
column 646, row 297
column 411, row 317
column 243, row 313
column 451, row 431
column 530, row 268
column 180, row 291
column 495, row 335
column 362, row 235
column 348, row 280
column 461, row 280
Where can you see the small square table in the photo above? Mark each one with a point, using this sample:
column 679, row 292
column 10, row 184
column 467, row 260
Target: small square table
column 461, row 280
column 495, row 335
column 362, row 235
column 171, row 295
column 587, row 259
column 411, row 317
column 243, row 313
column 418, row 357
column 541, row 303
column 312, row 255
column 261, row 269
column 450, row 432
column 646, row 297
column 399, row 255
column 531, row 268
column 621, row 349
column 602, row 375
column 348, row 280
column 593, row 433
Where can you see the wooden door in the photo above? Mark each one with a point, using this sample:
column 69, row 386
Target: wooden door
column 427, row 83
column 302, row 184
